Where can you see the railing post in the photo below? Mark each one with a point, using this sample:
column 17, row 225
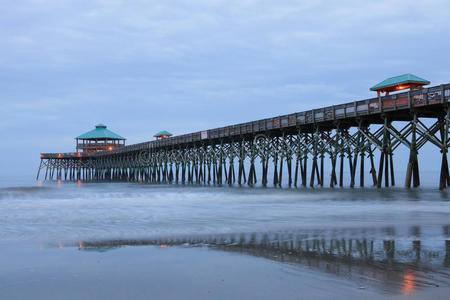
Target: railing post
column 380, row 104
column 409, row 99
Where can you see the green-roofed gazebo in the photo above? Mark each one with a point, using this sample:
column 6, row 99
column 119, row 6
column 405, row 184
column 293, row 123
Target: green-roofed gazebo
column 398, row 83
column 99, row 139
column 162, row 135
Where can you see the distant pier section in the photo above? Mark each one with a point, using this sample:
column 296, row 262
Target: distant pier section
column 358, row 137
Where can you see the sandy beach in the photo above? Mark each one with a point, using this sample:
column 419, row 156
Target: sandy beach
column 150, row 272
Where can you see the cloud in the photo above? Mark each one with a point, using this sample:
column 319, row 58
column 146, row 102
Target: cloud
column 141, row 66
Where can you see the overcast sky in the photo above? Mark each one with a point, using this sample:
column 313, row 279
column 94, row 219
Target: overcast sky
column 144, row 66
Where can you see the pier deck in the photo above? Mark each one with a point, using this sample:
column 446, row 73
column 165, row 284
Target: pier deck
column 336, row 131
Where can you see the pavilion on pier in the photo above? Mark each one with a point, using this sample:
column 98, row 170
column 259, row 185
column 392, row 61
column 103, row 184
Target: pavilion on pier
column 399, row 83
column 99, row 139
column 162, row 135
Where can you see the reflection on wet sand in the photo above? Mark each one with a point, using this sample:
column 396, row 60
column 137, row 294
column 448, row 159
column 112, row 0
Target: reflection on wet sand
column 398, row 266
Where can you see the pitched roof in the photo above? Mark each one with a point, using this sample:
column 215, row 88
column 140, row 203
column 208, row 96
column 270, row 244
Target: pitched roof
column 161, row 133
column 402, row 79
column 100, row 132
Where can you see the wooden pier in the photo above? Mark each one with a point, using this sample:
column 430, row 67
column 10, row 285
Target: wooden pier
column 358, row 132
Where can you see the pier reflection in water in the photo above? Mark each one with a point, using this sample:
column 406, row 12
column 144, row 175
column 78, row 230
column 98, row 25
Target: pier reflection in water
column 398, row 266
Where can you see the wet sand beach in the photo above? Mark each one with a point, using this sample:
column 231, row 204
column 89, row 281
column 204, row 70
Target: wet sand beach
column 121, row 241
column 144, row 272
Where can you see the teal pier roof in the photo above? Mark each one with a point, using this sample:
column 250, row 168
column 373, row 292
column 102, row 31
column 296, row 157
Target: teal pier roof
column 161, row 133
column 401, row 79
column 100, row 132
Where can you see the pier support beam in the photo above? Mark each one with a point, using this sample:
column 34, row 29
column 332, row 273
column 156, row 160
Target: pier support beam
column 412, row 171
column 386, row 159
column 444, row 180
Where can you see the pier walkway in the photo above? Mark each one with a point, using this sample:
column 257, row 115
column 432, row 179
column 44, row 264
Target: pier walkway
column 355, row 131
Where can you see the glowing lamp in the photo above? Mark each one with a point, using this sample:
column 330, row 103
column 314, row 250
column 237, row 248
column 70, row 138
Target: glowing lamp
column 402, row 87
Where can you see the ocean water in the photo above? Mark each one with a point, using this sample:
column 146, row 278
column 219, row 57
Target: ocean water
column 388, row 241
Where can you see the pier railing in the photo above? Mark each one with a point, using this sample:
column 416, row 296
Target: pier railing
column 373, row 106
